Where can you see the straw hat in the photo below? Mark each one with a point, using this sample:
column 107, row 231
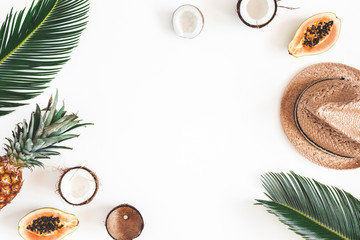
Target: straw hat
column 320, row 114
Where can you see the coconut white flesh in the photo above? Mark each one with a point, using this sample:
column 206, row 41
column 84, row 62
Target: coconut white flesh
column 188, row 21
column 77, row 186
column 257, row 12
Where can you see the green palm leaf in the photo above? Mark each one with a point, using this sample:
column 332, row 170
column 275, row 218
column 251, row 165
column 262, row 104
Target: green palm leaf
column 312, row 209
column 34, row 44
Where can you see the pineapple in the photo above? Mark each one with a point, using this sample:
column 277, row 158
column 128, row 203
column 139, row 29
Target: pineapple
column 31, row 142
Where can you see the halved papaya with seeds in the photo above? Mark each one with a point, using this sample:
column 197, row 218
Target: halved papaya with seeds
column 47, row 224
column 316, row 35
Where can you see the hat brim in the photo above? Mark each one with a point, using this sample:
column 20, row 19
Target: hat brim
column 299, row 83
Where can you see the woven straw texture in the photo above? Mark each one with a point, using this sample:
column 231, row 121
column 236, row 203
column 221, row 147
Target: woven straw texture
column 320, row 110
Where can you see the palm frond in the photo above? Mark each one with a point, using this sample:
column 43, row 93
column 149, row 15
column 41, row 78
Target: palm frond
column 34, row 44
column 312, row 209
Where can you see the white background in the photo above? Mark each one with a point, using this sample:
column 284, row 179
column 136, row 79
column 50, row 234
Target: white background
column 183, row 128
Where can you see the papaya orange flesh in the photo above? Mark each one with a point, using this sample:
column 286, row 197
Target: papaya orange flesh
column 47, row 224
column 316, row 35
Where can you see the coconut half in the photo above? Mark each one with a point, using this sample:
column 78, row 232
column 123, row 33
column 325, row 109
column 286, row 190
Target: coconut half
column 256, row 13
column 78, row 185
column 124, row 222
column 188, row 21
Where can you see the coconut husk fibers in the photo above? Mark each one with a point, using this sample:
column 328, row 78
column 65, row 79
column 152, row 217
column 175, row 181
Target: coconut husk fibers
column 124, row 222
column 238, row 6
column 96, row 180
column 320, row 114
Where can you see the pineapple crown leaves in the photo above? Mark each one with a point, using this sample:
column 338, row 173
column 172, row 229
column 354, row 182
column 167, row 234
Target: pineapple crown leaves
column 39, row 139
column 34, row 44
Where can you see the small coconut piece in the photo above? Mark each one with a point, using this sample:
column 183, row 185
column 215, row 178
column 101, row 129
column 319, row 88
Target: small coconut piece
column 78, row 185
column 124, row 222
column 188, row 21
column 256, row 13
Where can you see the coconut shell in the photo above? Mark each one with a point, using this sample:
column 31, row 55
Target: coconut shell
column 89, row 199
column 124, row 222
column 238, row 5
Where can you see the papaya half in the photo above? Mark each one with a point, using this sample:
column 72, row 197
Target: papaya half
column 316, row 35
column 47, row 224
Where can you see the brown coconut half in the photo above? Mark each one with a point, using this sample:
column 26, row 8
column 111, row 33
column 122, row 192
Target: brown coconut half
column 256, row 13
column 78, row 185
column 124, row 222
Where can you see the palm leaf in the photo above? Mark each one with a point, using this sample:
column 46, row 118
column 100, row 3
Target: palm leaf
column 312, row 209
column 34, row 44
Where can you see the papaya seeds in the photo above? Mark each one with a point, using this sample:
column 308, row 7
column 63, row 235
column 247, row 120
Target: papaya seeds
column 47, row 224
column 316, row 35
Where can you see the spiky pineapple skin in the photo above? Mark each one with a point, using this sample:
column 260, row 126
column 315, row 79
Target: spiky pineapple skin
column 32, row 141
column 10, row 181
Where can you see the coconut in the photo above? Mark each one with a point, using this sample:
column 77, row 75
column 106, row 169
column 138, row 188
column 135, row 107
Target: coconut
column 78, row 185
column 257, row 13
column 124, row 222
column 188, row 21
